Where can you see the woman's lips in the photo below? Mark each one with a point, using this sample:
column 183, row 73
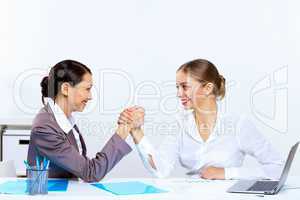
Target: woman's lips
column 184, row 101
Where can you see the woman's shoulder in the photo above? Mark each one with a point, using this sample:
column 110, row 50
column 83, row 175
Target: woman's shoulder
column 233, row 123
column 243, row 127
column 234, row 118
column 44, row 120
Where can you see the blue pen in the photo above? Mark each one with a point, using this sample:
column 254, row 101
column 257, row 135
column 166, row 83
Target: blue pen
column 37, row 163
column 46, row 165
column 26, row 164
column 44, row 162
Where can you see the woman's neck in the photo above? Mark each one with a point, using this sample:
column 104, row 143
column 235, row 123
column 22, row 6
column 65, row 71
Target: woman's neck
column 205, row 117
column 63, row 104
column 206, row 108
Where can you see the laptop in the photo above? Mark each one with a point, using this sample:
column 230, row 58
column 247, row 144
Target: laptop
column 267, row 187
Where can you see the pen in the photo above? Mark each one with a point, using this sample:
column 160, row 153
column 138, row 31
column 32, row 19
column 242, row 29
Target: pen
column 196, row 171
column 193, row 172
column 44, row 163
column 26, row 164
column 48, row 163
column 37, row 163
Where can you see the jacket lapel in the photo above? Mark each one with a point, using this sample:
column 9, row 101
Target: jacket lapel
column 69, row 136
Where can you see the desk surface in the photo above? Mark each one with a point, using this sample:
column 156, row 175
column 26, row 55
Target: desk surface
column 179, row 188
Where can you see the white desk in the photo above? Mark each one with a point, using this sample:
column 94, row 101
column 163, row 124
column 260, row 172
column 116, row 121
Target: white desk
column 179, row 188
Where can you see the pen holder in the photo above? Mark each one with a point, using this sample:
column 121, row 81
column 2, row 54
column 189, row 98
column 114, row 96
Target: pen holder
column 37, row 181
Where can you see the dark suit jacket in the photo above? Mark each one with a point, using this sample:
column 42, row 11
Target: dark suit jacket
column 49, row 140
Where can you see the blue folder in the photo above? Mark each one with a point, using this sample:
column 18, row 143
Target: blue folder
column 128, row 188
column 59, row 185
column 19, row 187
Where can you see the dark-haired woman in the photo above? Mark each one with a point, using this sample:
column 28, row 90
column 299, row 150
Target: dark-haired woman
column 210, row 145
column 54, row 134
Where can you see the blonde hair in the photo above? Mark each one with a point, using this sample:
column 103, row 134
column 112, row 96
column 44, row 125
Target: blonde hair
column 205, row 71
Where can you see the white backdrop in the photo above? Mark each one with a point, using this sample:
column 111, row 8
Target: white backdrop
column 134, row 48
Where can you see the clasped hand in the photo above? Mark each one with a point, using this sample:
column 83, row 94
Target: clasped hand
column 132, row 117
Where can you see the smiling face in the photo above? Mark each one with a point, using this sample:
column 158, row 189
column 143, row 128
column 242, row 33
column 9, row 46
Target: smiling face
column 191, row 91
column 80, row 94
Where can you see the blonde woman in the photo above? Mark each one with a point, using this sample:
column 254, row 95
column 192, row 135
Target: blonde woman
column 208, row 144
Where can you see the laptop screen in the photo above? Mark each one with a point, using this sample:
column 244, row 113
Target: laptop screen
column 287, row 166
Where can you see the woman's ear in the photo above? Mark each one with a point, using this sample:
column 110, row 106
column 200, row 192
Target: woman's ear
column 64, row 88
column 209, row 88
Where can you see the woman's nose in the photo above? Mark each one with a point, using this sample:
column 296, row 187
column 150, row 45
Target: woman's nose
column 90, row 97
column 179, row 92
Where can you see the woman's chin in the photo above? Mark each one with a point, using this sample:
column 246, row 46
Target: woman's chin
column 80, row 109
column 187, row 106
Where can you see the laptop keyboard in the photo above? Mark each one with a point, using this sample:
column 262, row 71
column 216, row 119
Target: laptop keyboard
column 263, row 186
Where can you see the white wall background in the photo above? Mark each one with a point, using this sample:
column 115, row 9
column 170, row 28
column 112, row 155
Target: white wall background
column 137, row 45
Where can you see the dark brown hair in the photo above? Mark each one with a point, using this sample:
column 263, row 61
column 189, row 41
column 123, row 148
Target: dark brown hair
column 205, row 71
column 69, row 71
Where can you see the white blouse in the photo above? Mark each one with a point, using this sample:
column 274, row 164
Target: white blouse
column 230, row 141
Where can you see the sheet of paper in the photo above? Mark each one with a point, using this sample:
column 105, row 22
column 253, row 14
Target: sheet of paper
column 19, row 187
column 129, row 188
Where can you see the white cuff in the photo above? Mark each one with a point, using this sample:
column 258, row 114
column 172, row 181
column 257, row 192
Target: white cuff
column 231, row 173
column 144, row 147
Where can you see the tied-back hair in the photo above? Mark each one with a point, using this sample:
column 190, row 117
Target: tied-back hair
column 204, row 71
column 69, row 71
